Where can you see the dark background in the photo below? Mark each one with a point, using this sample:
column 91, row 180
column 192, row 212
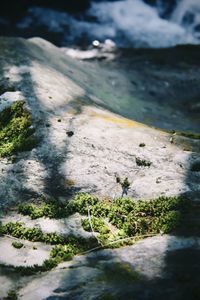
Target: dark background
column 12, row 11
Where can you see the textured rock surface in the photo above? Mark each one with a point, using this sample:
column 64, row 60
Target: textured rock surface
column 83, row 146
column 66, row 95
column 134, row 272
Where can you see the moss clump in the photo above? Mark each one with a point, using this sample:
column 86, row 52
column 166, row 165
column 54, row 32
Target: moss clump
column 17, row 245
column 12, row 295
column 51, row 209
column 98, row 225
column 63, row 252
column 36, row 235
column 116, row 272
column 142, row 162
column 82, row 203
column 144, row 217
column 65, row 247
column 16, row 133
column 191, row 135
column 129, row 216
column 131, row 219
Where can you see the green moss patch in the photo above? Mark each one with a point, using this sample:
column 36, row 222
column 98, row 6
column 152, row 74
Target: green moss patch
column 118, row 273
column 17, row 245
column 142, row 162
column 131, row 217
column 128, row 218
column 12, row 295
column 16, row 133
column 115, row 223
column 191, row 135
column 187, row 134
column 65, row 246
column 52, row 209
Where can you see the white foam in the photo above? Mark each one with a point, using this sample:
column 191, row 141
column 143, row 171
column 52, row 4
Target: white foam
column 127, row 23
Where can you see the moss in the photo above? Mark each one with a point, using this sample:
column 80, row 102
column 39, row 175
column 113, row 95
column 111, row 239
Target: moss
column 36, row 235
column 51, row 209
column 128, row 216
column 63, row 252
column 130, row 219
column 142, row 162
column 98, row 225
column 17, row 245
column 12, row 295
column 16, row 133
column 117, row 272
column 84, row 202
column 65, row 247
column 191, row 135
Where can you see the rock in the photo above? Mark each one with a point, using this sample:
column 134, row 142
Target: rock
column 26, row 256
column 138, row 269
column 111, row 116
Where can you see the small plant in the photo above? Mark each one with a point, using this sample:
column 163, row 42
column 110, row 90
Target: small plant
column 98, row 225
column 52, row 209
column 125, row 184
column 142, row 162
column 142, row 145
column 17, row 245
column 12, row 295
column 63, row 252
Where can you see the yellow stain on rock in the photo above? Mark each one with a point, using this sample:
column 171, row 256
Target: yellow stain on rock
column 70, row 182
column 118, row 120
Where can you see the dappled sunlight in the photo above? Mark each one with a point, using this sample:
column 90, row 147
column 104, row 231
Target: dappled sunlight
column 83, row 146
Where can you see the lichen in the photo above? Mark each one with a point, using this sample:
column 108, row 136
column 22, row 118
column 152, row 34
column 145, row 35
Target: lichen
column 16, row 132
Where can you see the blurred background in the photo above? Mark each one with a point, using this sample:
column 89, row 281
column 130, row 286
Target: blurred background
column 128, row 23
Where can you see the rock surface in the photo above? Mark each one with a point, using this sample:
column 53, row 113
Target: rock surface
column 79, row 113
column 68, row 95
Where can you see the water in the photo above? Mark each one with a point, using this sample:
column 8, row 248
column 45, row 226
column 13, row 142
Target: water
column 129, row 23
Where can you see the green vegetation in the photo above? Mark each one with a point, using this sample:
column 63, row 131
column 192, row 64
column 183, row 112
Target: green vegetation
column 12, row 295
column 118, row 222
column 98, row 225
column 17, row 245
column 187, row 134
column 132, row 217
column 65, row 247
column 16, row 133
column 36, row 235
column 116, row 272
column 142, row 162
column 191, row 135
column 51, row 209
